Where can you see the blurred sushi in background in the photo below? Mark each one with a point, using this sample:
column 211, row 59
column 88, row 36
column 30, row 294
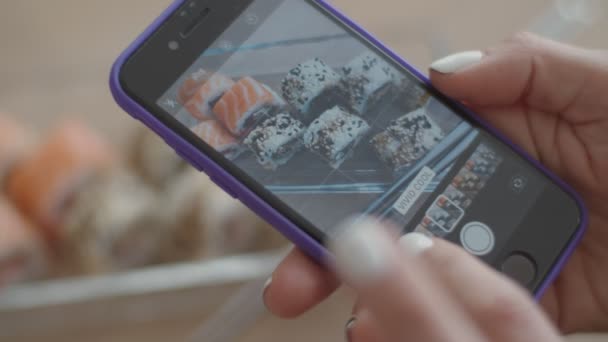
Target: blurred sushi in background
column 208, row 223
column 15, row 142
column 45, row 182
column 152, row 160
column 115, row 223
column 22, row 253
column 74, row 206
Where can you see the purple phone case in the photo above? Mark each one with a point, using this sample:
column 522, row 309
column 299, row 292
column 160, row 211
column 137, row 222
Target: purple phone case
column 234, row 187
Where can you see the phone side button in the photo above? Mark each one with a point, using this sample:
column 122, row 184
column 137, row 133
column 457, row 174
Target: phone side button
column 190, row 160
column 224, row 187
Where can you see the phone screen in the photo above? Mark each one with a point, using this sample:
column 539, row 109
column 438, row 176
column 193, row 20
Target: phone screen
column 333, row 128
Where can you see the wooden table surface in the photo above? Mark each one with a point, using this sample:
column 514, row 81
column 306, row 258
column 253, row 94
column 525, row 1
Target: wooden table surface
column 56, row 56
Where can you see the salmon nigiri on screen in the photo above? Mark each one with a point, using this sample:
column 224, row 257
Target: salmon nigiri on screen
column 216, row 136
column 245, row 104
column 189, row 86
column 201, row 103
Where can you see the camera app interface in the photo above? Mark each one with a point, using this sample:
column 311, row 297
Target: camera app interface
column 334, row 128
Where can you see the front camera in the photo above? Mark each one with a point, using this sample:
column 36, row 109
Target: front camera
column 173, row 45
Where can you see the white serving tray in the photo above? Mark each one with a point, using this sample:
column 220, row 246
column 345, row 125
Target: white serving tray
column 53, row 308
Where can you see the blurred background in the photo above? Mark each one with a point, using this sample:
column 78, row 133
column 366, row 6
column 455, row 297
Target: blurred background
column 183, row 261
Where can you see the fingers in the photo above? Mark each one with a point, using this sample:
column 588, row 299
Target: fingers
column 429, row 290
column 400, row 294
column 297, row 285
column 542, row 74
column 364, row 327
column 502, row 310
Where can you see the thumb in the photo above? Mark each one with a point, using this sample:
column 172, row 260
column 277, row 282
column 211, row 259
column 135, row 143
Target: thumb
column 398, row 291
column 526, row 69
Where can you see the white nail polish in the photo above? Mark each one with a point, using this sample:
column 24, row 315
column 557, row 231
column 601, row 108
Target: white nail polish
column 415, row 243
column 348, row 329
column 264, row 290
column 457, row 62
column 362, row 252
column 267, row 285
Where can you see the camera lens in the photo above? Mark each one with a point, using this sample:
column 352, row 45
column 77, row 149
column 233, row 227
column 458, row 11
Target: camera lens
column 173, row 45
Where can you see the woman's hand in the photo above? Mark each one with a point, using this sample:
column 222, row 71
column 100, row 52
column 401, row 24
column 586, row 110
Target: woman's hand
column 429, row 290
column 552, row 100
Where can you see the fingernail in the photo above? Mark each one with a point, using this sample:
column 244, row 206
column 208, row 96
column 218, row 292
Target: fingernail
column 349, row 327
column 457, row 62
column 362, row 252
column 415, row 243
column 265, row 289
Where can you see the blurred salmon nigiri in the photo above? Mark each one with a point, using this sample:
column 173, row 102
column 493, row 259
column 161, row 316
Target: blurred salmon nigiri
column 45, row 182
column 22, row 255
column 15, row 141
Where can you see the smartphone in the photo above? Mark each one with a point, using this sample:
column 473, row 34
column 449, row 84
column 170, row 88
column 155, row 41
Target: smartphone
column 295, row 110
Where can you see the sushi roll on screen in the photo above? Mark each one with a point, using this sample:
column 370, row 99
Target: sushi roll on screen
column 276, row 140
column 22, row 254
column 15, row 142
column 216, row 136
column 43, row 185
column 201, row 103
column 370, row 80
column 191, row 84
column 407, row 139
column 411, row 95
column 245, row 104
column 313, row 87
column 335, row 134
